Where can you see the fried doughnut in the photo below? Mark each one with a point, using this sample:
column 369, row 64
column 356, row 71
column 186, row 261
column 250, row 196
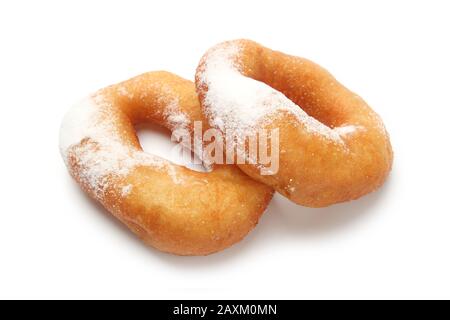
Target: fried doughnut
column 170, row 207
column 332, row 146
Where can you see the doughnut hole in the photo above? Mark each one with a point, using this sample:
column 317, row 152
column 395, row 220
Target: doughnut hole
column 157, row 140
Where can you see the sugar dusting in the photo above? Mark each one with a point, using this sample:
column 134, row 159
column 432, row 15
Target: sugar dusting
column 238, row 104
column 126, row 190
column 347, row 130
column 177, row 119
column 89, row 137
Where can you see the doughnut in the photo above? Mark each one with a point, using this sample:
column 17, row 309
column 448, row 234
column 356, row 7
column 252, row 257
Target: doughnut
column 332, row 146
column 170, row 207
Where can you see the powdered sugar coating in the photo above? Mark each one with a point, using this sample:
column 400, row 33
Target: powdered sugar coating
column 89, row 136
column 239, row 104
column 347, row 130
column 126, row 190
column 175, row 117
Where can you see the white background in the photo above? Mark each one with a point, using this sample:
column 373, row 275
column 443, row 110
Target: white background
column 56, row 243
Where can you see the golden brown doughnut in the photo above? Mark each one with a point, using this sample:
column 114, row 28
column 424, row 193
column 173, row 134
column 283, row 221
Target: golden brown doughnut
column 333, row 146
column 170, row 207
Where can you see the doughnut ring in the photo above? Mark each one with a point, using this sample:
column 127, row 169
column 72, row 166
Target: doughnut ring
column 332, row 146
column 170, row 207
